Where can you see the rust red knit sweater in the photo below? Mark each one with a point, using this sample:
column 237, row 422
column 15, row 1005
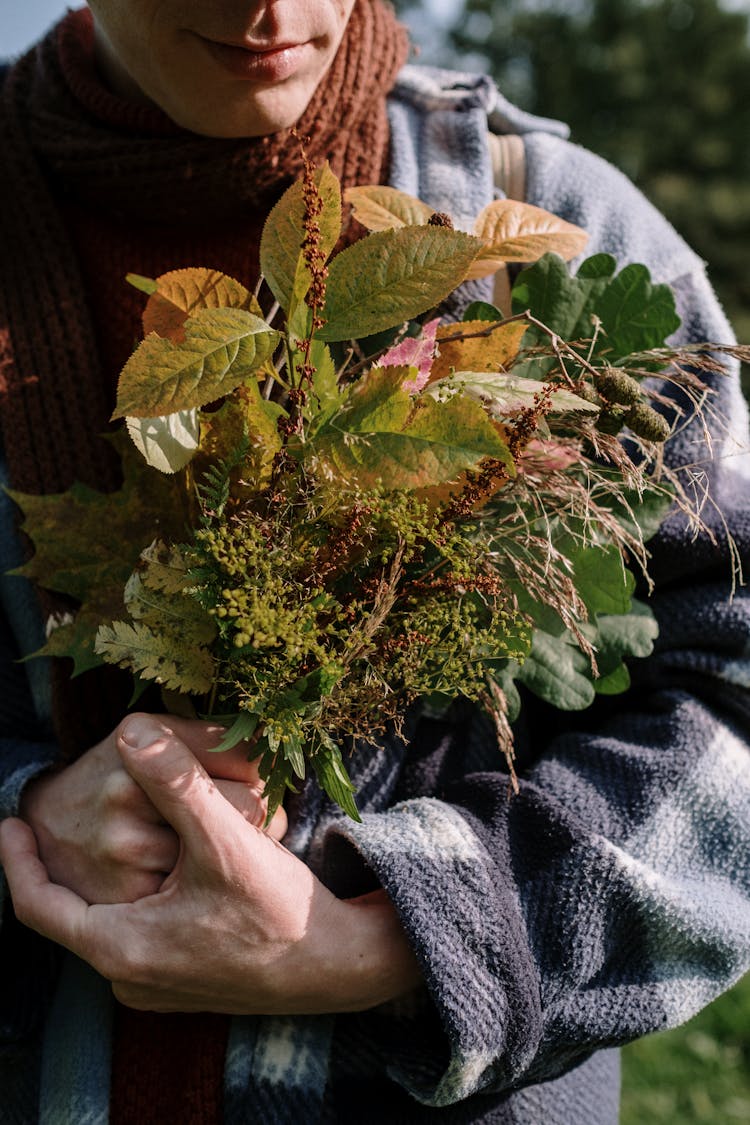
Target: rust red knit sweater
column 93, row 187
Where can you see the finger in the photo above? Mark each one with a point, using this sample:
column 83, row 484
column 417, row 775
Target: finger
column 249, row 802
column 51, row 910
column 202, row 738
column 175, row 781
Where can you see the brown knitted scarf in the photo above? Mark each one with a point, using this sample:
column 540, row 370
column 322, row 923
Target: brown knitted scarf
column 92, row 186
column 70, row 146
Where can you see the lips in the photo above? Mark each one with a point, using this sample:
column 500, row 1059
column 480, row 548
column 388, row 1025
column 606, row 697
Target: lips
column 259, row 62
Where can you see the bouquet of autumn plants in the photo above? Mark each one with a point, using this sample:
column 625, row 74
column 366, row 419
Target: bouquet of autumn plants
column 341, row 505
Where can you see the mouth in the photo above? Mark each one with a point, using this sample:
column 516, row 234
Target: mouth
column 259, row 61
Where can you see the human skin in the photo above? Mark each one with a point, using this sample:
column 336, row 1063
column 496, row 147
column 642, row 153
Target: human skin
column 99, row 838
column 239, row 926
column 230, row 68
column 99, row 835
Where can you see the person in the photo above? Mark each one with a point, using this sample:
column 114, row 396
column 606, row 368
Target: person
column 459, row 956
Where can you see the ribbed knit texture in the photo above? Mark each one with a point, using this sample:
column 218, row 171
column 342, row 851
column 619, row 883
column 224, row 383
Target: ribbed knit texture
column 94, row 186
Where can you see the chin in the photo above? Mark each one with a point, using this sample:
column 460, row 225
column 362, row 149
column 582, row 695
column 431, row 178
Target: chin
column 227, row 117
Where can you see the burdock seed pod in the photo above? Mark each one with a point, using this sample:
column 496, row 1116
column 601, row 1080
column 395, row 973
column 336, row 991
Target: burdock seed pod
column 440, row 219
column 617, row 386
column 644, row 421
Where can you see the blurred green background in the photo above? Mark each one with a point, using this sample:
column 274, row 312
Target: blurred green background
column 659, row 87
column 662, row 89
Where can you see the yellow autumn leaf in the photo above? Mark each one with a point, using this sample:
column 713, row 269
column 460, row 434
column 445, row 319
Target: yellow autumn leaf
column 519, row 232
column 495, row 351
column 386, row 208
column 180, row 293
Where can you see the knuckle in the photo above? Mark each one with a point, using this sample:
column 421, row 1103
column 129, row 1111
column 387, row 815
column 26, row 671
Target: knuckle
column 120, row 791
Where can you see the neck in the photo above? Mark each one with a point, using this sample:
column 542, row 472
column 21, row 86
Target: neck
column 112, row 72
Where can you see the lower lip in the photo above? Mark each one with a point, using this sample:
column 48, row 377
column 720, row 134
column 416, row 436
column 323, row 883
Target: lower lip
column 258, row 66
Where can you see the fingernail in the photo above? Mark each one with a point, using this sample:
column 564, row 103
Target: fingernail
column 138, row 731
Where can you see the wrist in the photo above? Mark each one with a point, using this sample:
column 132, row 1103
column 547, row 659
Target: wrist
column 369, row 961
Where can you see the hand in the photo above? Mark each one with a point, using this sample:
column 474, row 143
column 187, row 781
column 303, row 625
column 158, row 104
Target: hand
column 239, row 926
column 97, row 831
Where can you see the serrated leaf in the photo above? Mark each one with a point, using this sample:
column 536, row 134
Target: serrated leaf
column 416, row 352
column 291, row 748
column 325, row 395
column 386, row 208
column 180, row 293
column 160, row 657
column 167, row 443
column 176, row 612
column 384, row 436
column 161, row 566
column 281, row 260
column 494, row 352
column 333, row 777
column 245, row 417
column 393, row 276
column 88, row 542
column 518, row 232
column 505, row 394
column 222, row 348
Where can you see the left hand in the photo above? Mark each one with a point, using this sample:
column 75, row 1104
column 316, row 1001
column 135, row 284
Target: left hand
column 239, row 926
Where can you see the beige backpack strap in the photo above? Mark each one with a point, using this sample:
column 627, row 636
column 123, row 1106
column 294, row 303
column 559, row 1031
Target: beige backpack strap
column 508, row 157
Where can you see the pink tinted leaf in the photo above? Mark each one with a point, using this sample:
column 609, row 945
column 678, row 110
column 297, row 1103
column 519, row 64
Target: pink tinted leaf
column 414, row 351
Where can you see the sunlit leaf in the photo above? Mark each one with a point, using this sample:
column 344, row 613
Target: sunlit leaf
column 387, row 436
column 492, row 352
column 393, row 276
column 167, row 443
column 504, row 394
column 517, row 232
column 177, row 611
column 417, row 352
column 379, row 207
column 222, row 347
column 281, row 260
column 180, row 293
column 157, row 656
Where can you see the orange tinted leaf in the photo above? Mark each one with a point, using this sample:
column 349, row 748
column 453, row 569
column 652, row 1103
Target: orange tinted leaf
column 180, row 293
column 518, row 232
column 494, row 352
column 384, row 208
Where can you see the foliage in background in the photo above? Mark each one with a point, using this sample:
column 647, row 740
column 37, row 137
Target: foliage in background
column 696, row 1075
column 659, row 87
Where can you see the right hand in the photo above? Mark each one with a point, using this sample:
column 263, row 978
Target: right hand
column 100, row 836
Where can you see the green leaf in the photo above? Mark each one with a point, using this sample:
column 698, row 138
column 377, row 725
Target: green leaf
column 167, row 443
column 222, row 348
column 291, row 747
column 383, row 436
column 144, row 284
column 482, row 310
column 619, row 636
column 393, row 276
column 161, row 657
column 243, row 727
column 635, row 314
column 281, row 260
column 87, row 543
column 604, row 583
column 504, row 394
column 333, row 778
column 556, row 670
column 172, row 611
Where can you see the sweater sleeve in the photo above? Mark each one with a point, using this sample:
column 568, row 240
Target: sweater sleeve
column 26, row 748
column 611, row 897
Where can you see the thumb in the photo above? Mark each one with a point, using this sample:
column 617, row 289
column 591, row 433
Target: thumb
column 176, row 783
